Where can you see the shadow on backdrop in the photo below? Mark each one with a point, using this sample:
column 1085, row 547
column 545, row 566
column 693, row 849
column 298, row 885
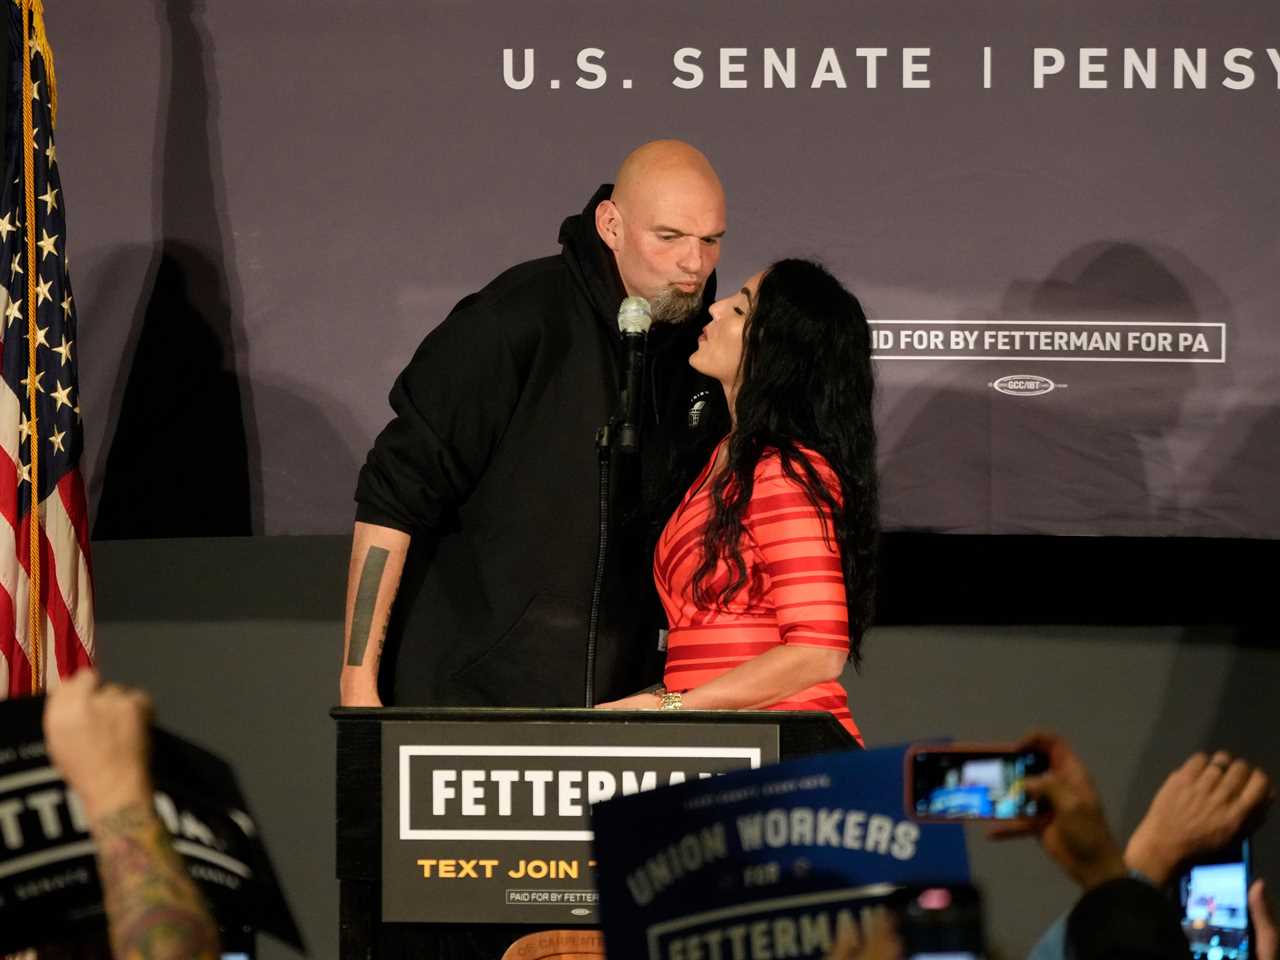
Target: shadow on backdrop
column 1091, row 457
column 181, row 462
column 1112, row 454
column 178, row 465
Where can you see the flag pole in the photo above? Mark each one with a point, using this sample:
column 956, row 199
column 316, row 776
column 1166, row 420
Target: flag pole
column 35, row 621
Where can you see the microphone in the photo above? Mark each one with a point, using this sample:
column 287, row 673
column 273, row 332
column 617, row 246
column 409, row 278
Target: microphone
column 634, row 320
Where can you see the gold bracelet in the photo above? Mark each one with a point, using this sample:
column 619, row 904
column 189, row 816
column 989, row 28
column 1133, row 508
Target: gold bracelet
column 672, row 700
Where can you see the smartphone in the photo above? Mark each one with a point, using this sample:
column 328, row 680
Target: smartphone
column 946, row 782
column 940, row 923
column 1214, row 895
column 238, row 943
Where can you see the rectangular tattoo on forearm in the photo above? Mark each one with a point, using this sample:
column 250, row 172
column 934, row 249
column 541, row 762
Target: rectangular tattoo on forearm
column 366, row 599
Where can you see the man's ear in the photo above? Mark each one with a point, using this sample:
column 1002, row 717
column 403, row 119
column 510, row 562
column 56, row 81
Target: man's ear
column 609, row 224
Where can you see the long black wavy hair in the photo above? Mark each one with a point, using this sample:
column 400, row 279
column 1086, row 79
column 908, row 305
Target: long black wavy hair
column 805, row 380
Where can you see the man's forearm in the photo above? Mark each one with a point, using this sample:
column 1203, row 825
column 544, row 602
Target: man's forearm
column 377, row 561
column 153, row 907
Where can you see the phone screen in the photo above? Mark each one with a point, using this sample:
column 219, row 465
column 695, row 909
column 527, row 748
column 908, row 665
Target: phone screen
column 1215, row 905
column 975, row 785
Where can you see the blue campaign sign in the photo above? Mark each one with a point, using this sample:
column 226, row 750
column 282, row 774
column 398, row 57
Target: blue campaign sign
column 770, row 862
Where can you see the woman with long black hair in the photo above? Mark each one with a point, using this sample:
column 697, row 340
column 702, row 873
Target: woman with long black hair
column 767, row 567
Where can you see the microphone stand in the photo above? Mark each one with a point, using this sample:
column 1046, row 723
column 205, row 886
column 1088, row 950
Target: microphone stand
column 604, row 457
column 624, row 430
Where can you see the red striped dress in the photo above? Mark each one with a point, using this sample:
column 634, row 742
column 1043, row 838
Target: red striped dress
column 794, row 592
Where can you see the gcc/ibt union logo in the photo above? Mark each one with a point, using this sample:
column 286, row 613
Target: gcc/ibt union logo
column 1025, row 385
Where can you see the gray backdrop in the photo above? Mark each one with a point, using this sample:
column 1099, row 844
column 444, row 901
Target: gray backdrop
column 303, row 189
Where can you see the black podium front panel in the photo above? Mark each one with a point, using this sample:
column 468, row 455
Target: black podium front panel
column 371, row 855
column 490, row 823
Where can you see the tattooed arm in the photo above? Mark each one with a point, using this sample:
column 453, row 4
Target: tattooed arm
column 153, row 909
column 377, row 560
column 98, row 737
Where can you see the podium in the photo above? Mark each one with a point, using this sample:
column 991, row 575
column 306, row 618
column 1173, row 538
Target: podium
column 482, row 816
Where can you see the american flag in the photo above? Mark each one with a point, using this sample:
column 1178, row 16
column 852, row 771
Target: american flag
column 37, row 312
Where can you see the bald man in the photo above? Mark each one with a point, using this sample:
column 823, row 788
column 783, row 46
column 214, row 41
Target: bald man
column 477, row 525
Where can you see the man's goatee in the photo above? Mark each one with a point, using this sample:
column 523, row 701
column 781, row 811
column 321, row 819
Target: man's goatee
column 675, row 306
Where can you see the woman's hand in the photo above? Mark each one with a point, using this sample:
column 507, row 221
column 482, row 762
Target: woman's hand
column 645, row 700
column 1201, row 806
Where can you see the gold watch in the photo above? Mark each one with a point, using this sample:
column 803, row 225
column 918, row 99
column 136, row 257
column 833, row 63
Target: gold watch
column 672, row 700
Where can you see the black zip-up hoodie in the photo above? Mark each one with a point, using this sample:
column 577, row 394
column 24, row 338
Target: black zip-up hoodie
column 490, row 465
